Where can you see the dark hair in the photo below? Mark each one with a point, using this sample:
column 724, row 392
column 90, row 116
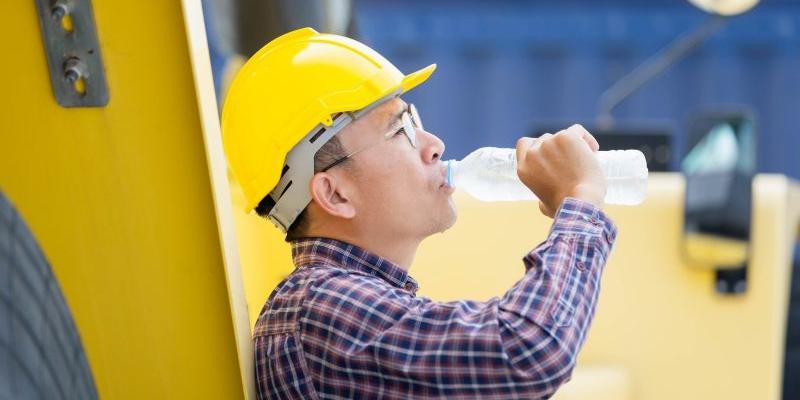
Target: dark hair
column 327, row 154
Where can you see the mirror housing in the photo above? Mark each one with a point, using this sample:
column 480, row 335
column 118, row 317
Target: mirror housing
column 719, row 166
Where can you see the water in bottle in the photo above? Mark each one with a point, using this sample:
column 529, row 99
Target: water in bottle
column 490, row 174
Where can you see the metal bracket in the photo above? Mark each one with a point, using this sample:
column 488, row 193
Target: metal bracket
column 731, row 282
column 73, row 52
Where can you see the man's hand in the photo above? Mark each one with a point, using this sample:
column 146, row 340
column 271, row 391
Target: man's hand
column 559, row 166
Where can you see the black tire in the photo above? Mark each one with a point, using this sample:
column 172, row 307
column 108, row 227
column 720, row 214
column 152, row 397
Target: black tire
column 41, row 355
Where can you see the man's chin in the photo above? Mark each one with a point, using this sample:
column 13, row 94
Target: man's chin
column 449, row 220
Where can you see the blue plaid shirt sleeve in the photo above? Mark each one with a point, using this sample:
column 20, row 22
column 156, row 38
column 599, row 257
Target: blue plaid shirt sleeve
column 358, row 332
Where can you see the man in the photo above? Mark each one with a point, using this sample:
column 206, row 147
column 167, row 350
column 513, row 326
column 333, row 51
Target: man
column 324, row 147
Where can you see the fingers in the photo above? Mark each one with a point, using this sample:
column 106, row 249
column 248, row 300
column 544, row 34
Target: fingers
column 578, row 131
column 523, row 144
column 590, row 140
column 553, row 165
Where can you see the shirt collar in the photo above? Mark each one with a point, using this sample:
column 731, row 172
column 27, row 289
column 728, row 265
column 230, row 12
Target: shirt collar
column 347, row 256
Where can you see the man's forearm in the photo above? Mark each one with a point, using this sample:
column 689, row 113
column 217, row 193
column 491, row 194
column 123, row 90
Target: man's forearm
column 556, row 299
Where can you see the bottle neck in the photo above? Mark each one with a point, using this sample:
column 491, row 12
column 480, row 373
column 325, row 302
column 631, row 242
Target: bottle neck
column 451, row 171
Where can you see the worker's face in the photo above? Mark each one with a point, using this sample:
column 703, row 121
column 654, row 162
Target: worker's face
column 400, row 188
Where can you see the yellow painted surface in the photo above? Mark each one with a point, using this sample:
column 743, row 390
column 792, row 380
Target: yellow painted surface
column 658, row 318
column 266, row 257
column 712, row 251
column 121, row 201
column 660, row 326
column 597, row 382
column 210, row 125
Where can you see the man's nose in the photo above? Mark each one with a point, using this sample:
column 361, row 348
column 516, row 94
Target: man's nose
column 432, row 147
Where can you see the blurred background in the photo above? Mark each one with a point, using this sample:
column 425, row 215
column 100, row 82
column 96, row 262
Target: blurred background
column 510, row 68
column 709, row 89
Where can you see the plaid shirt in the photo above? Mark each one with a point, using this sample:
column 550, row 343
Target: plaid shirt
column 346, row 324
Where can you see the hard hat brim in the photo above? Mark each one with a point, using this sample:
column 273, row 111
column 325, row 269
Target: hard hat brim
column 413, row 79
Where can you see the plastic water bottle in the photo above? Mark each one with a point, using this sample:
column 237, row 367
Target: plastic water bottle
column 490, row 174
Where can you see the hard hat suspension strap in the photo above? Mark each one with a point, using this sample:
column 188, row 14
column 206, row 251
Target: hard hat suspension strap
column 292, row 195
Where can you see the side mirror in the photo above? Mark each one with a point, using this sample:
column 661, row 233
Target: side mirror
column 724, row 7
column 719, row 166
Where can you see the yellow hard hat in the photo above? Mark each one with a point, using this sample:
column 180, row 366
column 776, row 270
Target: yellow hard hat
column 291, row 89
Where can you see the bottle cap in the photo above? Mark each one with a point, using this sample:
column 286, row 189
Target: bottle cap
column 449, row 173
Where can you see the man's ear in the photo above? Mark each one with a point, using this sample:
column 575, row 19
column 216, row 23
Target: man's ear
column 332, row 196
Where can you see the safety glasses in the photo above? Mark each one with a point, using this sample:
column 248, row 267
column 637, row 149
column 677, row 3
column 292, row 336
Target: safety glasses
column 411, row 122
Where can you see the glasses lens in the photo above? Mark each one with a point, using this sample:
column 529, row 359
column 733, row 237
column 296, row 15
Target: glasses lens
column 415, row 116
column 409, row 129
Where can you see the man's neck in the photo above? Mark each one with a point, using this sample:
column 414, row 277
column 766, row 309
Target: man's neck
column 399, row 252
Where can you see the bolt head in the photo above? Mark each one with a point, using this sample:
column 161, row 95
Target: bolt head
column 72, row 75
column 73, row 70
column 59, row 10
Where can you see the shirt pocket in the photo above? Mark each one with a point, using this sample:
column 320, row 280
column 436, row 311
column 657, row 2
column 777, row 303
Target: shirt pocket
column 562, row 313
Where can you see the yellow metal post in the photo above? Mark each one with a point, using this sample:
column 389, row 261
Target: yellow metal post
column 129, row 201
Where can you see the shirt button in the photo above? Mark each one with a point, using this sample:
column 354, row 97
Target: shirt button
column 581, row 266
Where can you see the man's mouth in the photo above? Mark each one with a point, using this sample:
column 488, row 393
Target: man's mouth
column 444, row 177
column 447, row 189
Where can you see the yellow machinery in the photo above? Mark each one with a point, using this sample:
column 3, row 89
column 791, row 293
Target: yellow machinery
column 129, row 201
column 131, row 204
column 661, row 330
